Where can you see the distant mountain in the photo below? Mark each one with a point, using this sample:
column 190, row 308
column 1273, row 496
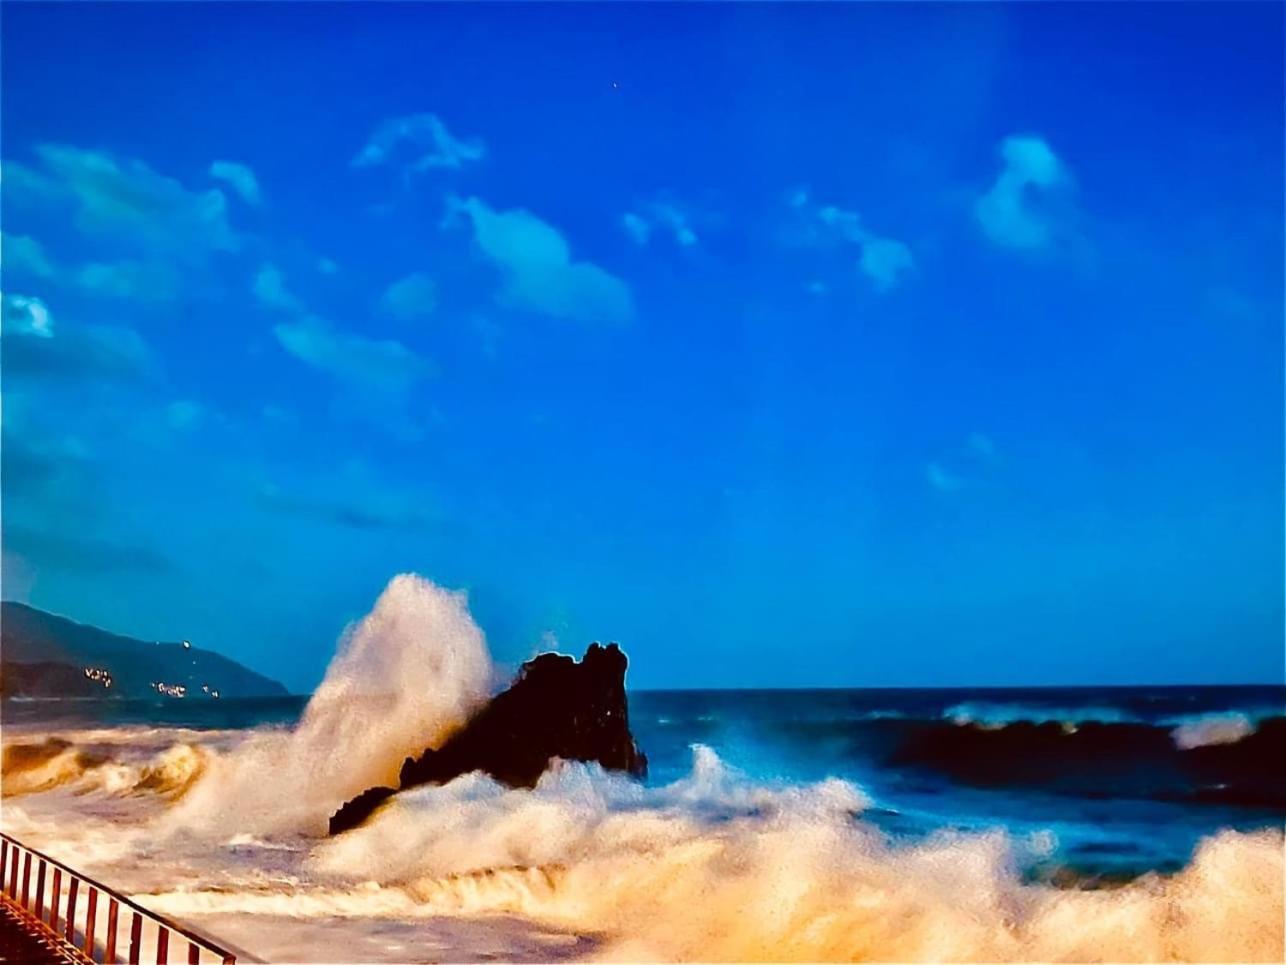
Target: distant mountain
column 43, row 655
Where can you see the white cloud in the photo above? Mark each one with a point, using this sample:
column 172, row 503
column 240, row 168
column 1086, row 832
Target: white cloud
column 884, row 261
column 659, row 215
column 25, row 255
column 418, row 142
column 968, row 465
column 376, row 374
column 385, row 365
column 145, row 280
column 240, row 178
column 537, row 270
column 128, row 278
column 637, row 227
column 79, row 352
column 127, row 202
column 942, row 480
column 1009, row 212
column 153, row 237
column 414, row 296
column 26, row 315
column 270, row 289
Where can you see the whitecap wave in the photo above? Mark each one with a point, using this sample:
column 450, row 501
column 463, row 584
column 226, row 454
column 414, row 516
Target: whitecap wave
column 1212, row 729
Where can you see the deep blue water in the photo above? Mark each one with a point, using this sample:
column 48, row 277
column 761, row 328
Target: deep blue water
column 1121, row 780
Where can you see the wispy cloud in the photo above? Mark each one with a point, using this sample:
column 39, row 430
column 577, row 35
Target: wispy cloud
column 538, row 273
column 151, row 236
column 942, row 480
column 417, row 143
column 240, row 178
column 1015, row 212
column 25, row 256
column 963, row 465
column 270, row 289
column 34, row 346
column 109, row 352
column 883, row 260
column 662, row 215
column 414, row 296
column 380, row 364
column 376, row 373
column 128, row 279
column 125, row 200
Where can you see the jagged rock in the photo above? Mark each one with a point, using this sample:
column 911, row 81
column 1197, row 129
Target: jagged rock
column 556, row 708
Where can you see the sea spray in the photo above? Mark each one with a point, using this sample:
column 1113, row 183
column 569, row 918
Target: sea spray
column 43, row 765
column 1211, row 729
column 402, row 679
column 718, row 867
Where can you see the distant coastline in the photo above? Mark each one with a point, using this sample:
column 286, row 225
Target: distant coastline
column 43, row 655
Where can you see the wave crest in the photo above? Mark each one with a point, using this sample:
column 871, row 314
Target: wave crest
column 715, row 868
column 31, row 768
column 402, row 679
column 1212, row 729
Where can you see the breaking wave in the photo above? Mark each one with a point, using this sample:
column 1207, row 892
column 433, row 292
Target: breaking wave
column 1212, row 729
column 714, row 866
column 403, row 678
column 718, row 868
column 30, row 768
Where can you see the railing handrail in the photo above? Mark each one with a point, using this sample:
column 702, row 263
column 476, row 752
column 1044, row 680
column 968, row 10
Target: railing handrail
column 189, row 933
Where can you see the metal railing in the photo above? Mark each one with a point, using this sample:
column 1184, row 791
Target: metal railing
column 75, row 927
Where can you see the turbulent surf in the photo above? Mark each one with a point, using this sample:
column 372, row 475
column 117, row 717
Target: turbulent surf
column 857, row 825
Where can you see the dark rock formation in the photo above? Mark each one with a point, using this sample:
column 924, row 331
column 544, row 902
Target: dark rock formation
column 557, row 708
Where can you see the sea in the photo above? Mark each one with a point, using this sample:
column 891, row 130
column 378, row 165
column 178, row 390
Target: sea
column 1055, row 824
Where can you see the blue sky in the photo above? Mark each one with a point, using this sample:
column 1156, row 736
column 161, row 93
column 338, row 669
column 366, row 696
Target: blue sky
column 789, row 345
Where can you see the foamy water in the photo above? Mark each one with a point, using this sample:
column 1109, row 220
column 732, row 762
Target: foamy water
column 224, row 829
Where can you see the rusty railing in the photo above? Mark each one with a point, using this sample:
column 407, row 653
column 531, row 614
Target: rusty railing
column 43, row 903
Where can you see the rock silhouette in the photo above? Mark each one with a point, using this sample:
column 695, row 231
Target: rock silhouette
column 556, row 708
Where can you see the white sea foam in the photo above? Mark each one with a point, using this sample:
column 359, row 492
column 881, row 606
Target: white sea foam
column 402, row 679
column 987, row 714
column 1212, row 729
column 715, row 866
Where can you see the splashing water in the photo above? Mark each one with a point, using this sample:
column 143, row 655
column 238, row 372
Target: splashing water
column 1212, row 729
column 402, row 680
column 712, row 866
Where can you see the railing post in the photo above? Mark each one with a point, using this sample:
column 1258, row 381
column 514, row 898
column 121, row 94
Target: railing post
column 72, row 888
column 40, row 891
column 26, row 879
column 113, row 911
column 13, row 874
column 135, row 938
column 91, row 912
column 58, row 918
column 56, row 893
